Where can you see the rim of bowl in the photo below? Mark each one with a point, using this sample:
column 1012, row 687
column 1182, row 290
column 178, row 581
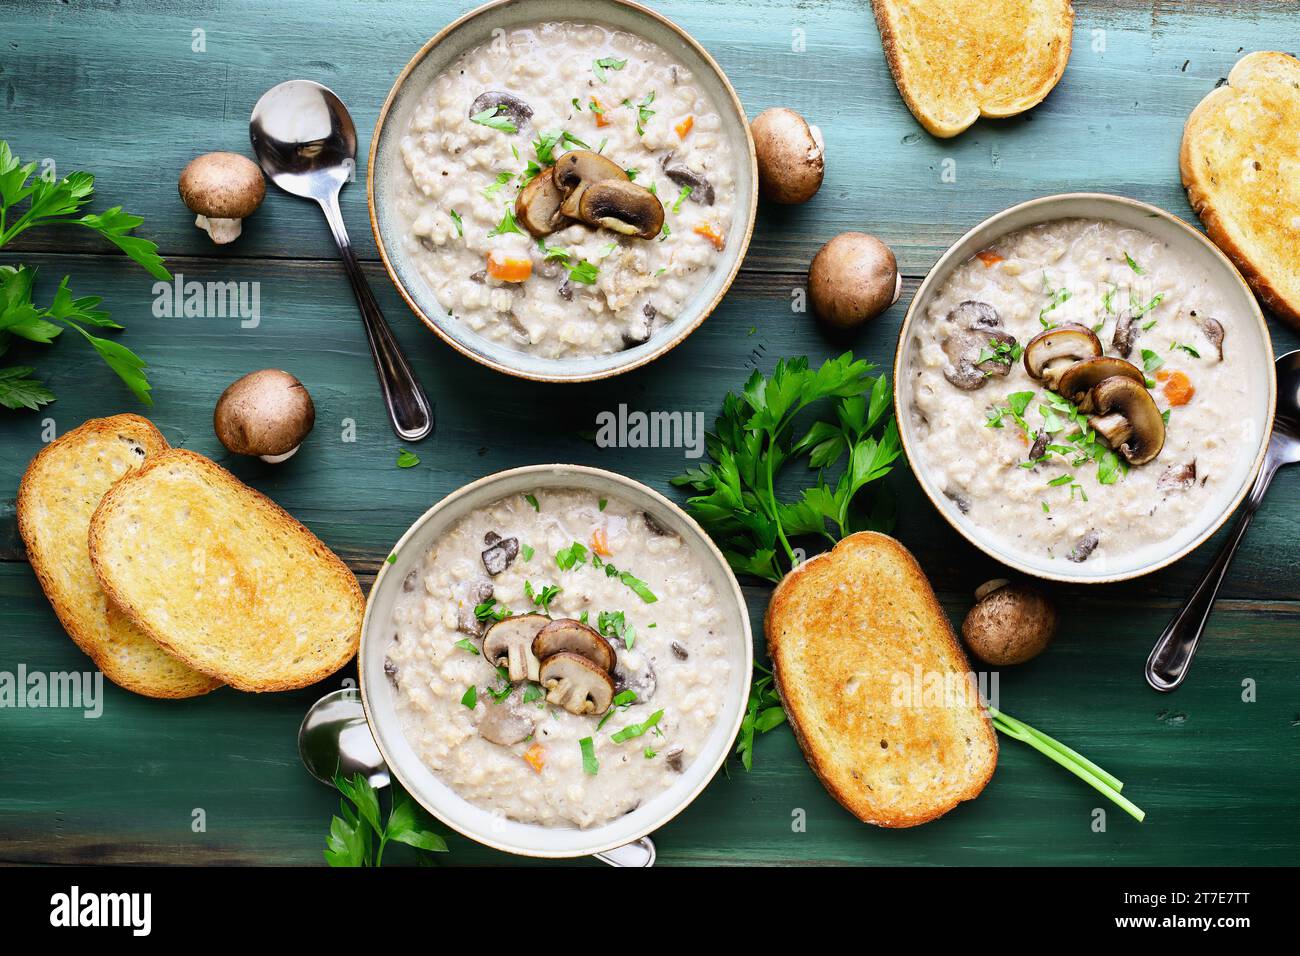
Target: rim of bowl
column 665, row 346
column 924, row 292
column 702, row 540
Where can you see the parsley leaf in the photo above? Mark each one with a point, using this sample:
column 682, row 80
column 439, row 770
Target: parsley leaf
column 492, row 119
column 606, row 63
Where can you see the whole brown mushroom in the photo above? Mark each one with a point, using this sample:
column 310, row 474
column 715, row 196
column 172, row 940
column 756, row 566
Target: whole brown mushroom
column 791, row 156
column 266, row 413
column 1010, row 623
column 852, row 279
column 222, row 189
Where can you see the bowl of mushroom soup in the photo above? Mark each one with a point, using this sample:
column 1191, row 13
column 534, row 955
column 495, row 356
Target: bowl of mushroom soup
column 1084, row 387
column 562, row 191
column 555, row 661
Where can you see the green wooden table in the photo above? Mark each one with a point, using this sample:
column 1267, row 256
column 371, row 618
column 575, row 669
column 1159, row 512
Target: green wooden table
column 118, row 89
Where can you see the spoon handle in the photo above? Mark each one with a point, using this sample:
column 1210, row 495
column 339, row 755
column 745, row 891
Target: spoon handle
column 1172, row 655
column 408, row 407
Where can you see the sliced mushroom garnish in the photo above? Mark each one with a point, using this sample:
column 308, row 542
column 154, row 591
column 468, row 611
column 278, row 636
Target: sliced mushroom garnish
column 579, row 169
column 1177, row 477
column 1122, row 340
column 964, row 349
column 509, row 644
column 1077, row 381
column 632, row 673
column 975, row 315
column 957, row 498
column 505, row 104
column 576, row 684
column 538, row 205
column 1084, row 547
column 509, row 722
column 1212, row 329
column 390, row 671
column 701, row 188
column 623, row 207
column 472, row 596
column 1127, row 419
column 674, row 756
column 1049, row 353
column 498, row 557
column 1039, row 447
column 574, row 637
column 679, row 651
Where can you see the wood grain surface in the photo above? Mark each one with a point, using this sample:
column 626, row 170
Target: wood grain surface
column 116, row 89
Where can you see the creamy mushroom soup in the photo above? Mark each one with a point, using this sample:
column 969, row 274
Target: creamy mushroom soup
column 558, row 658
column 1077, row 392
column 569, row 189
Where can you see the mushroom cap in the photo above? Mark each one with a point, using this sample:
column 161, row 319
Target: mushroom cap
column 791, row 156
column 222, row 186
column 1009, row 624
column 1076, row 382
column 1127, row 418
column 576, row 684
column 509, row 722
column 852, row 279
column 623, row 207
column 565, row 634
column 701, row 188
column 978, row 331
column 509, row 642
column 266, row 413
column 538, row 205
column 578, row 169
column 1059, row 347
column 518, row 111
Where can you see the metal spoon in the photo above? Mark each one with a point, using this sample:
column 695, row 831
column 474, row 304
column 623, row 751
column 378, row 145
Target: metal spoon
column 335, row 737
column 306, row 144
column 1172, row 656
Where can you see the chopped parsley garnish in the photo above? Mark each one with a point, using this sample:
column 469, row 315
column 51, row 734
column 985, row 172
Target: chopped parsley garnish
column 407, row 459
column 503, row 688
column 589, row 763
column 1061, row 480
column 622, row 701
column 532, row 692
column 606, row 63
column 613, row 624
column 470, row 697
column 572, row 556
column 465, row 644
column 583, row 272
column 532, row 500
column 391, row 559
column 460, row 226
column 1139, row 310
column 649, row 752
column 1004, row 353
column 636, row 730
column 490, row 610
column 681, row 198
column 1133, row 265
column 543, row 598
column 1108, row 299
column 1186, row 348
column 602, row 503
column 507, row 224
column 491, row 118
column 638, row 586
column 643, row 111
column 1151, row 361
column 527, row 551
column 1056, row 297
column 501, row 180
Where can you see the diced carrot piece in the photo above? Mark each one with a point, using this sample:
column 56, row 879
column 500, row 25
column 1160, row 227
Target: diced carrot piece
column 988, row 257
column 684, row 126
column 1178, row 389
column 536, row 757
column 706, row 230
column 598, row 111
column 504, row 268
column 1162, row 374
column 1024, row 439
column 600, row 543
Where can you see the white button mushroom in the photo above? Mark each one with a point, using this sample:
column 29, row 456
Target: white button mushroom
column 222, row 189
column 852, row 279
column 266, row 413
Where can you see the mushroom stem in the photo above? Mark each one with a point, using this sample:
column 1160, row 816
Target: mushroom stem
column 522, row 663
column 221, row 231
column 1115, row 428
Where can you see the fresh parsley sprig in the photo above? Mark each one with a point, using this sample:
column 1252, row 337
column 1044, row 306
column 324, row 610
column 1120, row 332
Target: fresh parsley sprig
column 54, row 202
column 353, row 835
column 754, row 440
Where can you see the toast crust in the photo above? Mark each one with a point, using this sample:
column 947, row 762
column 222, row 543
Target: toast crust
column 1006, row 72
column 198, row 653
column 1219, row 142
column 126, row 655
column 858, row 800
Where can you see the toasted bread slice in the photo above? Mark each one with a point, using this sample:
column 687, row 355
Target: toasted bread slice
column 60, row 490
column 876, row 687
column 1240, row 162
column 957, row 60
column 224, row 578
